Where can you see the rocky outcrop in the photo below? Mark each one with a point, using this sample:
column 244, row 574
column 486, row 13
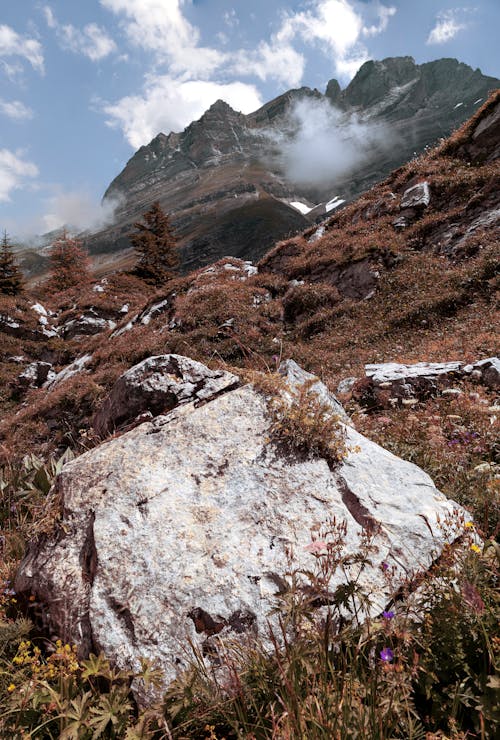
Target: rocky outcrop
column 86, row 324
column 392, row 382
column 34, row 376
column 184, row 528
column 157, row 385
column 74, row 368
column 487, row 371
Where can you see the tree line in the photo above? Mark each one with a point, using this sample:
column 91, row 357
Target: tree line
column 153, row 241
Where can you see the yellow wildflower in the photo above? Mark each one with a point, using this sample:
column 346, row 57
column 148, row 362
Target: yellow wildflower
column 475, row 548
column 11, row 687
column 469, row 525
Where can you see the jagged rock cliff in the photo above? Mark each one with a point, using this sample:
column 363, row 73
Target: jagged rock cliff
column 223, row 180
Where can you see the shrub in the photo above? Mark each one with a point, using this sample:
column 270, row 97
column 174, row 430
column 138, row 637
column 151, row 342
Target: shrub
column 302, row 301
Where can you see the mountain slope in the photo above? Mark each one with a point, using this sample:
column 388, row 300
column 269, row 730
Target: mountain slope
column 227, row 161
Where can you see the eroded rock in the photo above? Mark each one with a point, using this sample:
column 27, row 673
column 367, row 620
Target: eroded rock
column 158, row 384
column 34, row 376
column 183, row 527
column 418, row 196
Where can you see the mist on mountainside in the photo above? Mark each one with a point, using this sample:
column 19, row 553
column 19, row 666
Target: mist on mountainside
column 322, row 143
column 77, row 211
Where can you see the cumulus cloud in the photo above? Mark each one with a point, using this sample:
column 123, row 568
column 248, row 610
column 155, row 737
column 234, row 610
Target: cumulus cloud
column 384, row 14
column 13, row 44
column 338, row 27
column 168, row 105
column 278, row 61
column 446, row 28
column 14, row 170
column 15, row 109
column 160, row 27
column 323, row 145
column 92, row 41
column 77, row 210
column 194, row 72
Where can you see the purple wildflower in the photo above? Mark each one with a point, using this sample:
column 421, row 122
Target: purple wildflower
column 388, row 615
column 386, row 655
column 384, row 565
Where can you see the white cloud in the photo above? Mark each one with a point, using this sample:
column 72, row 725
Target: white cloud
column 167, row 104
column 160, row 27
column 92, row 41
column 13, row 44
column 324, row 145
column 15, row 109
column 446, row 28
column 230, row 18
column 170, row 101
column 78, row 210
column 278, row 61
column 338, row 26
column 14, row 169
column 384, row 14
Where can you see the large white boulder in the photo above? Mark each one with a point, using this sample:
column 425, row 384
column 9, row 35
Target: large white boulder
column 183, row 528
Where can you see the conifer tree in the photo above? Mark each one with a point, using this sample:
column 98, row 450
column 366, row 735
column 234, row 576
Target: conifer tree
column 156, row 247
column 11, row 279
column 69, row 264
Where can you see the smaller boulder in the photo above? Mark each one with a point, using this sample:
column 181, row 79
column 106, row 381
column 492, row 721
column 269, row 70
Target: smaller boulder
column 419, row 196
column 487, row 371
column 391, row 382
column 77, row 366
column 34, row 376
column 159, row 384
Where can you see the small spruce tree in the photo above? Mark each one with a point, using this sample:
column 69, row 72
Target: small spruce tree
column 11, row 279
column 69, row 264
column 156, row 247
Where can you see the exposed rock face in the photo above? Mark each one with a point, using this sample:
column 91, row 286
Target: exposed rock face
column 182, row 527
column 418, row 381
column 390, row 382
column 418, row 196
column 35, row 375
column 85, row 325
column 487, row 370
column 222, row 179
column 157, row 385
column 77, row 366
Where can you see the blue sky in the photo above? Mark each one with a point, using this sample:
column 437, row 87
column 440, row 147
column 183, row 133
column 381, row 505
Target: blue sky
column 84, row 83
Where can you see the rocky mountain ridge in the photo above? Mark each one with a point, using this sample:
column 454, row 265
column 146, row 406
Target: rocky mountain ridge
column 224, row 180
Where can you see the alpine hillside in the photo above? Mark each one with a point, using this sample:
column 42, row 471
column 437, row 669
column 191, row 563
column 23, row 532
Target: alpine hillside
column 233, row 183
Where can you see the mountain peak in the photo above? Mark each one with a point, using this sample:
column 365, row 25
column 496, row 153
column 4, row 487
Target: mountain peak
column 220, row 106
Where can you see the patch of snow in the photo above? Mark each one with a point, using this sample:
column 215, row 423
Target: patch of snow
column 334, row 203
column 300, row 207
column 124, row 308
column 98, row 289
